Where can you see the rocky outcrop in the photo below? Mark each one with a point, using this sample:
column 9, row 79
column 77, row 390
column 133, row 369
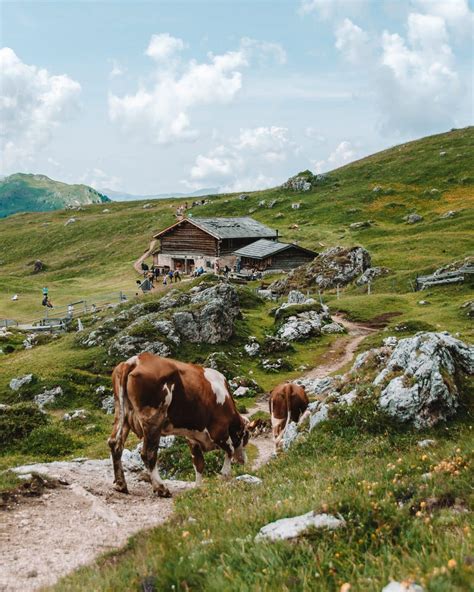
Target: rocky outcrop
column 371, row 274
column 337, row 266
column 17, row 383
column 301, row 326
column 413, row 218
column 48, row 396
column 416, row 379
column 303, row 181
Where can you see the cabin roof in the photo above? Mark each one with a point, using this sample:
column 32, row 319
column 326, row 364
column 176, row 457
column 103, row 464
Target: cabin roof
column 265, row 248
column 222, row 228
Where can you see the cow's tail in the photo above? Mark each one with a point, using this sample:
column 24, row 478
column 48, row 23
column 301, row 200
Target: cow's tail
column 120, row 388
column 288, row 407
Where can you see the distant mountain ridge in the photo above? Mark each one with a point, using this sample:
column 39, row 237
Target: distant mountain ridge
column 123, row 196
column 22, row 192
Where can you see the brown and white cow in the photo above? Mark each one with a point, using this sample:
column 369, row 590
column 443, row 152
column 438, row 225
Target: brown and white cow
column 157, row 396
column 288, row 402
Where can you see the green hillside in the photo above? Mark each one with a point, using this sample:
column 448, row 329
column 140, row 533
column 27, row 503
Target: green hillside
column 430, row 176
column 38, row 193
column 400, row 524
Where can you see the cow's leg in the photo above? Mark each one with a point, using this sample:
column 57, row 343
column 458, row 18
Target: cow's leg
column 198, row 461
column 149, row 454
column 228, row 448
column 116, row 443
column 278, row 429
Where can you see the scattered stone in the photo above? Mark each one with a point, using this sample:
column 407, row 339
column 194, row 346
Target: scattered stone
column 448, row 214
column 406, row 586
column 48, row 396
column 262, row 203
column 290, row 528
column 108, row 404
column 377, row 189
column 70, row 221
column 296, row 297
column 296, row 206
column 318, row 413
column 76, row 414
column 332, row 328
column 274, row 365
column 422, row 302
column 243, row 196
column 241, row 391
column 253, row 347
column 147, row 206
column 105, row 211
column 426, row 443
column 317, row 386
column 413, row 218
column 360, row 225
column 371, row 274
column 251, row 479
column 442, row 153
column 289, row 435
column 434, row 191
column 301, row 326
column 17, row 383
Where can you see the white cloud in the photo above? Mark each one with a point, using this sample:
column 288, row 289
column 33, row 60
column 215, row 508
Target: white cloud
column 117, row 70
column 99, row 179
column 162, row 112
column 414, row 77
column 265, row 49
column 328, row 9
column 345, row 152
column 32, row 104
column 164, row 46
column 247, row 161
column 456, row 13
column 351, row 41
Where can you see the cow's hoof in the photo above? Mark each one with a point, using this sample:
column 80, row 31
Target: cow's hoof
column 121, row 487
column 162, row 492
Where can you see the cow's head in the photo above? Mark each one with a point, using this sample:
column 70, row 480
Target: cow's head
column 240, row 440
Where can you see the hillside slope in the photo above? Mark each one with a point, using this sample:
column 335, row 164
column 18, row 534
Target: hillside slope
column 431, row 176
column 37, row 193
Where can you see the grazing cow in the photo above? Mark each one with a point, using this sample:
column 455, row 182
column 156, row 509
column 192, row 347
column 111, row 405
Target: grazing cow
column 157, row 396
column 288, row 402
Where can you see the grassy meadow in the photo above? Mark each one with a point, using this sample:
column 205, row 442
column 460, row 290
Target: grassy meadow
column 400, row 523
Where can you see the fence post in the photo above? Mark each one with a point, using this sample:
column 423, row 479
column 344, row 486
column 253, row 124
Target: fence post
column 368, row 287
column 337, row 291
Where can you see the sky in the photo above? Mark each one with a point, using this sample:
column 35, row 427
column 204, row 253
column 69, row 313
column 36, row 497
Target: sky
column 154, row 97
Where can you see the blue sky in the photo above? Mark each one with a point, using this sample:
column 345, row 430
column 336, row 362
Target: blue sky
column 151, row 97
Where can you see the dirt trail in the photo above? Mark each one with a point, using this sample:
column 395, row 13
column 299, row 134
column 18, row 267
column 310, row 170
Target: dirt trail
column 47, row 537
column 343, row 349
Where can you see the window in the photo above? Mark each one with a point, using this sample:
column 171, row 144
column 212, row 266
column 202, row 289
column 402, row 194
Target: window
column 208, row 264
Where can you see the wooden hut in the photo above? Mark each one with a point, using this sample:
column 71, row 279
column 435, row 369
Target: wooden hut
column 265, row 255
column 207, row 242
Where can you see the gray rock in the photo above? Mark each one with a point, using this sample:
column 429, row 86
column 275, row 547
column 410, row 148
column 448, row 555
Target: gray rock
column 17, row 383
column 297, row 183
column 317, row 386
column 48, row 396
column 413, row 218
column 426, row 443
column 241, row 391
column 331, row 328
column 301, row 326
column 70, row 221
column 289, row 435
column 402, row 587
column 108, row 404
column 425, row 392
column 290, row 528
column 186, row 326
column 296, row 297
column 371, row 274
column 252, row 348
column 243, row 196
column 360, row 225
column 251, row 479
column 448, row 214
column 76, row 414
column 318, row 413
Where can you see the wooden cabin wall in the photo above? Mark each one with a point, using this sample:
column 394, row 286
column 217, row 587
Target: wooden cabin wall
column 290, row 259
column 187, row 238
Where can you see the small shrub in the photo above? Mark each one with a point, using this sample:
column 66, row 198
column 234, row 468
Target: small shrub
column 414, row 327
column 176, row 461
column 48, row 440
column 18, row 421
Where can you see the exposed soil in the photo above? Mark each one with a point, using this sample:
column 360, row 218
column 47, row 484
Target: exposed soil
column 44, row 537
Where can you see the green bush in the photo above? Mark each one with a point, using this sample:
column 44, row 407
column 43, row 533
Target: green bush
column 48, row 440
column 176, row 461
column 18, row 421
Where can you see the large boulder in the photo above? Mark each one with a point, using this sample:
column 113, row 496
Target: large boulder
column 301, row 326
column 337, row 266
column 416, row 379
column 424, row 390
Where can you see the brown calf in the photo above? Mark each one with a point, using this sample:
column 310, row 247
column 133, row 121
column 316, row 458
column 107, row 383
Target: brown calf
column 288, row 402
column 156, row 396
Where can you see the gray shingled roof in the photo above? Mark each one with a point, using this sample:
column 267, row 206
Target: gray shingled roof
column 234, row 227
column 265, row 248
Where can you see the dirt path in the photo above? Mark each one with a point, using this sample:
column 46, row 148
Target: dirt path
column 343, row 349
column 46, row 537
